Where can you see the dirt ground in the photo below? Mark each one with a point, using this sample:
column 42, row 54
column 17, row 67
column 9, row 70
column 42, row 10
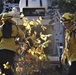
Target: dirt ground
column 54, row 70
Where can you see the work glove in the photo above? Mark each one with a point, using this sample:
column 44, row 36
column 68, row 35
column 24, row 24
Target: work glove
column 64, row 60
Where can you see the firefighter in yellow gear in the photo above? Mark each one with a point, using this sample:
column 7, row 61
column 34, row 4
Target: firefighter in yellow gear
column 69, row 52
column 7, row 44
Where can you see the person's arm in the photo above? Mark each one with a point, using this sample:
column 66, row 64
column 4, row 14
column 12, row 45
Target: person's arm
column 65, row 51
column 21, row 34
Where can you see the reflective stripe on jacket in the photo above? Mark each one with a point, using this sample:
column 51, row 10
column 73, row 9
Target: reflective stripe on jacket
column 70, row 41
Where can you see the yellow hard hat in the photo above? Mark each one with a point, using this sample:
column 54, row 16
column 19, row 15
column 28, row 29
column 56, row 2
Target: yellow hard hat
column 6, row 16
column 67, row 17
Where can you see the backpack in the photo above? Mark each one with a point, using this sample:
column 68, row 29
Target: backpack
column 7, row 30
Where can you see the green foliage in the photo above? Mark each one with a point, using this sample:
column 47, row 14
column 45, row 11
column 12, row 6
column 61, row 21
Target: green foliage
column 67, row 6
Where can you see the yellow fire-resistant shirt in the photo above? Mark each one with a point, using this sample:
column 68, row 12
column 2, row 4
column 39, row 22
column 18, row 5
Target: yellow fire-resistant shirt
column 9, row 43
column 71, row 43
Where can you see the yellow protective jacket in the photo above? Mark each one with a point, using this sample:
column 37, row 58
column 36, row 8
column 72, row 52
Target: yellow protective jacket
column 9, row 43
column 70, row 45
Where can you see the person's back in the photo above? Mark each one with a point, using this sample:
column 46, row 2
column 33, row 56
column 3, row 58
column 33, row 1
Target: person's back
column 9, row 43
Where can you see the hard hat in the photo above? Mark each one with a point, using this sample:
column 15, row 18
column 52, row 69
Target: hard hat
column 6, row 16
column 67, row 17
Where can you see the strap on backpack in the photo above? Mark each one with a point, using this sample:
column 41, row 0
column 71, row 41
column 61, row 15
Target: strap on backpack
column 17, row 32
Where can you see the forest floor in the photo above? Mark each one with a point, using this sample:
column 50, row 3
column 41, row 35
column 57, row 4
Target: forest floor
column 54, row 70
